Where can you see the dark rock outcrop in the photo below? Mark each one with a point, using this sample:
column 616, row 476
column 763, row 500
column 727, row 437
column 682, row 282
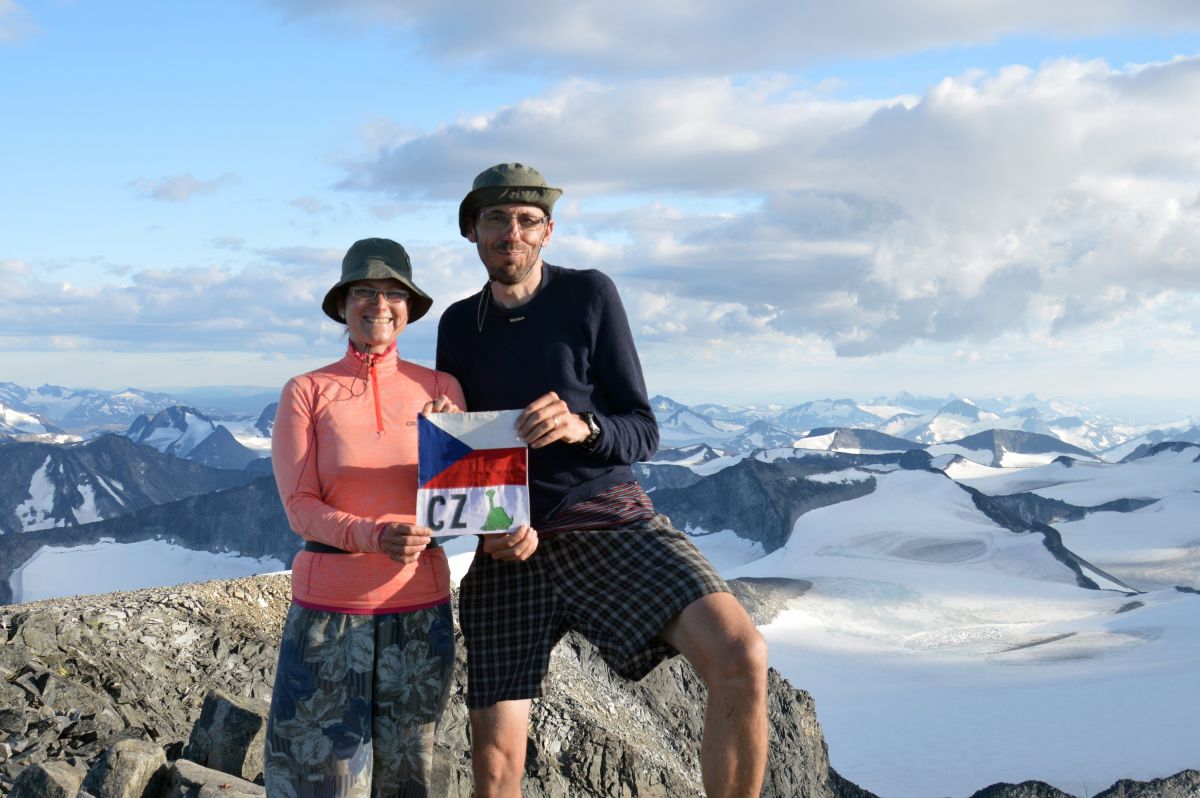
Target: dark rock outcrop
column 1181, row 443
column 1026, row 789
column 1000, row 441
column 1032, row 508
column 222, row 450
column 848, row 438
column 266, row 420
column 101, row 478
column 79, row 676
column 1184, row 784
column 655, row 476
column 761, row 501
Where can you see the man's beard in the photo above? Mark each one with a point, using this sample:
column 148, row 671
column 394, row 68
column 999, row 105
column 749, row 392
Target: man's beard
column 512, row 273
column 506, row 277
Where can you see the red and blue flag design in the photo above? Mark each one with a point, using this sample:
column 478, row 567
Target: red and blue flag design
column 472, row 473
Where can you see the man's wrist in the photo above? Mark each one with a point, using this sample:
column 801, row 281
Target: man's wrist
column 594, row 432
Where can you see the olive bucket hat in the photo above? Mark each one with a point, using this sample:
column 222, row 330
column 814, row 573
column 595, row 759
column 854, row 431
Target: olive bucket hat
column 505, row 183
column 377, row 259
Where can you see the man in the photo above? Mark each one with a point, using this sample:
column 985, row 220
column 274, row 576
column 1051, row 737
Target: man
column 556, row 342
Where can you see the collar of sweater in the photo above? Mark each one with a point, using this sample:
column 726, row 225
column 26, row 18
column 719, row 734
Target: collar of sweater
column 385, row 362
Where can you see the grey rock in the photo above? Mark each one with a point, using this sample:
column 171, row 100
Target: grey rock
column 221, row 450
column 761, row 501
column 1184, row 784
column 13, row 721
column 664, row 475
column 765, row 597
column 1026, row 789
column 189, row 780
column 48, row 780
column 851, row 439
column 229, row 735
column 266, row 420
column 130, row 768
column 999, row 441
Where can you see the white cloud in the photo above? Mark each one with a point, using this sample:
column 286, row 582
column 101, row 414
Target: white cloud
column 15, row 24
column 13, row 269
column 1042, row 201
column 711, row 36
column 268, row 303
column 180, row 188
column 311, row 205
column 708, row 134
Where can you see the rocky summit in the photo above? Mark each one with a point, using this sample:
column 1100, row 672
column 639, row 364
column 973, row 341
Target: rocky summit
column 164, row 692
column 79, row 676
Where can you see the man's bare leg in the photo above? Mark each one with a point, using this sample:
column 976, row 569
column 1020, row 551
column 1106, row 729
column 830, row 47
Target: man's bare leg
column 718, row 638
column 499, row 735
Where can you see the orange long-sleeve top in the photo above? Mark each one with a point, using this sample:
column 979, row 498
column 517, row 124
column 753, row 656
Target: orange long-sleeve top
column 344, row 452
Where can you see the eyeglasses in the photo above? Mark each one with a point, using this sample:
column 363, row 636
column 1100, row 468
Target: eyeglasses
column 368, row 294
column 500, row 222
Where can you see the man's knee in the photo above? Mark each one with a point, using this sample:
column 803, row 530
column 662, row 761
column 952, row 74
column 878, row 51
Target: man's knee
column 499, row 736
column 743, row 664
column 733, row 656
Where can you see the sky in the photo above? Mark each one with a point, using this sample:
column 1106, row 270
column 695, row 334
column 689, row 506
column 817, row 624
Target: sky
column 796, row 199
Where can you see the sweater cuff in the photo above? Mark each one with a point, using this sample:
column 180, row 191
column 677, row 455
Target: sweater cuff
column 367, row 536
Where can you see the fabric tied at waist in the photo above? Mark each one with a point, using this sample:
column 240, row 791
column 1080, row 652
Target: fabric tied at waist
column 317, row 547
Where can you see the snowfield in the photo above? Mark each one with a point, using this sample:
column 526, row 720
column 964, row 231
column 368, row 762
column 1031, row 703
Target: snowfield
column 109, row 566
column 946, row 653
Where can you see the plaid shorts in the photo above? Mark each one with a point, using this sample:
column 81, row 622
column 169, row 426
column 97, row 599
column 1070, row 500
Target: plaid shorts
column 618, row 588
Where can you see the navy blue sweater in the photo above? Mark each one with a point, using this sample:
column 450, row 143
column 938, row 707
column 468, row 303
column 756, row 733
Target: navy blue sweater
column 573, row 338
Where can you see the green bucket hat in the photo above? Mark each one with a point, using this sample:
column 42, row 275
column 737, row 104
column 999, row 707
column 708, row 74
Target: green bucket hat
column 505, row 183
column 377, row 259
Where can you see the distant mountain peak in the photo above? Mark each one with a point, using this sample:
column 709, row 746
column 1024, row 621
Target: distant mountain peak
column 174, row 430
column 665, row 404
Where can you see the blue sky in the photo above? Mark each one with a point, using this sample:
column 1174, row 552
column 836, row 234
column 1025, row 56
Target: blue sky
column 797, row 201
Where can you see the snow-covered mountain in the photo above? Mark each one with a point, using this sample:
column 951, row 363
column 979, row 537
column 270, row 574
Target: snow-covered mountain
column 759, row 435
column 679, row 425
column 688, row 455
column 1009, row 448
column 186, row 432
column 175, row 430
column 739, row 414
column 825, row 413
column 84, row 410
column 14, row 423
column 664, row 407
column 47, row 485
column 920, row 419
column 854, row 441
column 956, row 419
column 1186, row 430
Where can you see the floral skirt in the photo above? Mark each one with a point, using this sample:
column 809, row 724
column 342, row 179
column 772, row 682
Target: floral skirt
column 356, row 703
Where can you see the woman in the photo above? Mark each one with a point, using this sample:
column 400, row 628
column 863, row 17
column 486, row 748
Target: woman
column 367, row 652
